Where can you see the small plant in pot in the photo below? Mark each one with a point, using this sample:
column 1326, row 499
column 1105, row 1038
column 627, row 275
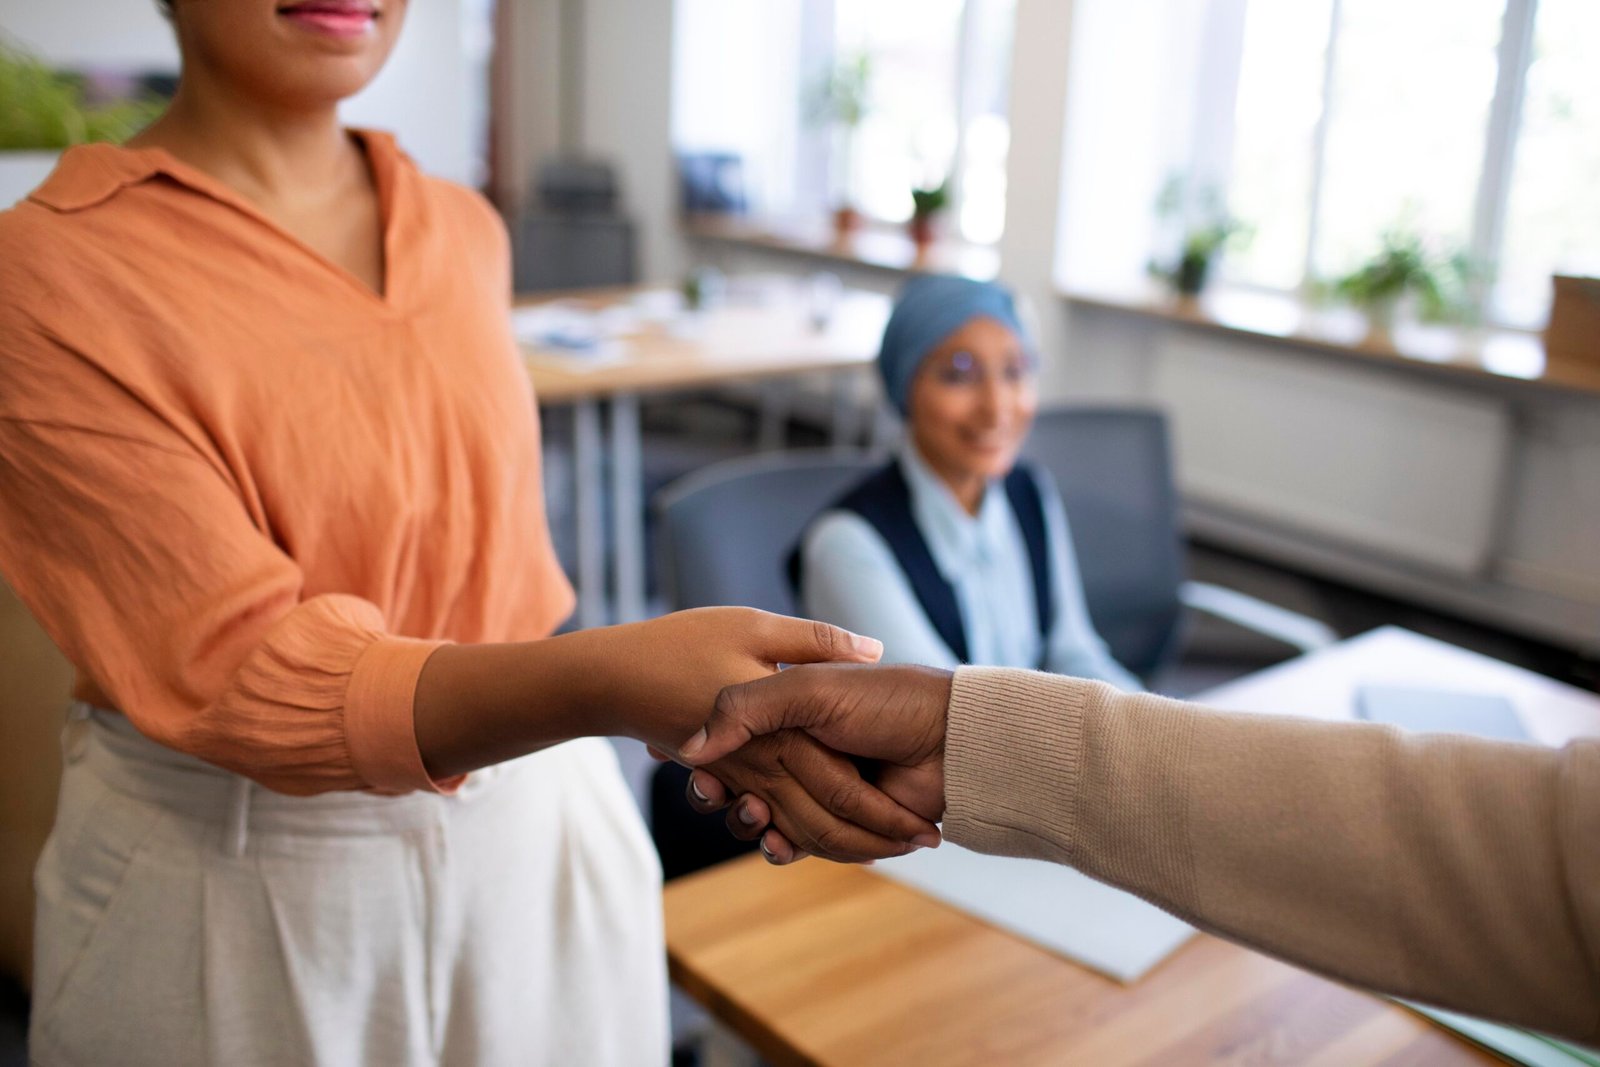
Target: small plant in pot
column 926, row 207
column 1406, row 267
column 1200, row 228
column 839, row 100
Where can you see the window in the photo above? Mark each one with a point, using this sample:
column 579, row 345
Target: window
column 1551, row 220
column 937, row 110
column 1473, row 122
column 938, row 106
column 736, row 70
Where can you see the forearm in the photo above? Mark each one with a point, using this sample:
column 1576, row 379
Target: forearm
column 477, row 705
column 1434, row 867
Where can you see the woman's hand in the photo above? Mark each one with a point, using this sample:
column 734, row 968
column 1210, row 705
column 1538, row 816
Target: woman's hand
column 895, row 715
column 695, row 656
column 658, row 681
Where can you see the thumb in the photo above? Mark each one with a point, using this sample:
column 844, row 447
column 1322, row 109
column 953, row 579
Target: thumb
column 744, row 712
column 781, row 639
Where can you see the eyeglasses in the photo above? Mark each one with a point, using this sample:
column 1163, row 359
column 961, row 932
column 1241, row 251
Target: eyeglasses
column 962, row 368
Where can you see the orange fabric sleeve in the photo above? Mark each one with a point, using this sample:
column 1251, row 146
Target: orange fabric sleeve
column 132, row 548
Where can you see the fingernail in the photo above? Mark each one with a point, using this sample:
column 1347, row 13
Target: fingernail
column 694, row 787
column 767, row 852
column 746, row 816
column 926, row 840
column 868, row 646
column 693, row 745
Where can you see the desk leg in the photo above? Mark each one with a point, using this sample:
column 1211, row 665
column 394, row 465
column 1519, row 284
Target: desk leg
column 777, row 399
column 627, row 507
column 846, row 412
column 588, row 489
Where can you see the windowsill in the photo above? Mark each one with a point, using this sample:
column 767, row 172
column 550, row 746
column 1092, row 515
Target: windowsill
column 1495, row 354
column 877, row 246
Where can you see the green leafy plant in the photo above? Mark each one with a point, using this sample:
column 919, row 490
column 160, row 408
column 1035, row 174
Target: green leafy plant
column 42, row 110
column 1206, row 229
column 839, row 99
column 1406, row 265
column 840, row 94
column 926, row 203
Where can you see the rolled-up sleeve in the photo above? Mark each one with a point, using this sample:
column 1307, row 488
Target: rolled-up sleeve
column 136, row 553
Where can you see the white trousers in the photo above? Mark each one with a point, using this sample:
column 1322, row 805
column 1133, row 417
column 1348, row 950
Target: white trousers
column 187, row 916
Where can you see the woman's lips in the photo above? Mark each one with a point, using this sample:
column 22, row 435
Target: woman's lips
column 331, row 18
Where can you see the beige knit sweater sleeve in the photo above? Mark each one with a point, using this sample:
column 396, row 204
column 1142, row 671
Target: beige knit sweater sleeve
column 1454, row 871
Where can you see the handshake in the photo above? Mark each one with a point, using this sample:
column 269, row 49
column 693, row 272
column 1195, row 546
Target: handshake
column 835, row 757
column 879, row 794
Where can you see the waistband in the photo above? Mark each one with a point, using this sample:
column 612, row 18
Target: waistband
column 107, row 745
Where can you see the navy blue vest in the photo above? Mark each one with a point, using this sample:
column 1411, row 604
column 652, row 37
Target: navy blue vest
column 884, row 500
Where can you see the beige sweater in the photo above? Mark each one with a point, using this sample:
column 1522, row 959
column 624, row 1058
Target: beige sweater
column 1459, row 872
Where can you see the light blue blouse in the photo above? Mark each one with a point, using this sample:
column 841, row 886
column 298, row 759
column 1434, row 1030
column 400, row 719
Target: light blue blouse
column 851, row 579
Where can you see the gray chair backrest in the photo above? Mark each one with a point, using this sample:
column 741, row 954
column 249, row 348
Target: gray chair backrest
column 726, row 531
column 1114, row 468
column 573, row 252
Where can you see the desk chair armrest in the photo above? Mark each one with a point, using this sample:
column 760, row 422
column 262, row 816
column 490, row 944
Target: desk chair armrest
column 1292, row 628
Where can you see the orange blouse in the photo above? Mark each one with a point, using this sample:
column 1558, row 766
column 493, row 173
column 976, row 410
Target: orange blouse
column 246, row 495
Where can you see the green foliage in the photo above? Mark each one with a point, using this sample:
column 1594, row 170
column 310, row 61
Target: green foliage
column 840, row 93
column 1208, row 229
column 925, row 203
column 1405, row 264
column 41, row 110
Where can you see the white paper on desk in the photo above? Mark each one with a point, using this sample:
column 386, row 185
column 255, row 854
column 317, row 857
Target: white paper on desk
column 1055, row 907
column 575, row 337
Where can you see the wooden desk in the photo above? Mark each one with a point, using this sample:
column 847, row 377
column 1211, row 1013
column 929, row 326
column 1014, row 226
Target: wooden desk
column 736, row 341
column 821, row 964
column 762, row 334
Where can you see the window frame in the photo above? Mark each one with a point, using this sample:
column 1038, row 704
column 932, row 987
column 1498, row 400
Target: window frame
column 1486, row 241
column 966, row 107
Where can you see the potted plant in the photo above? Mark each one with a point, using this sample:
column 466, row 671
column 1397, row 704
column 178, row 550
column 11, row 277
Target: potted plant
column 839, row 101
column 43, row 112
column 1406, row 266
column 926, row 207
column 1203, row 229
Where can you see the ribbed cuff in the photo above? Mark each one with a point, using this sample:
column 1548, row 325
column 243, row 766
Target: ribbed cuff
column 378, row 718
column 1013, row 754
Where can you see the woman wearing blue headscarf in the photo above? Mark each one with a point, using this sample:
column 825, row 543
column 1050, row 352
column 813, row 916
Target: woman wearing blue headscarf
column 956, row 553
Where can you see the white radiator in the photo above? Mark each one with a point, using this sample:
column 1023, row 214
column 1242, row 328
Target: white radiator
column 1410, row 470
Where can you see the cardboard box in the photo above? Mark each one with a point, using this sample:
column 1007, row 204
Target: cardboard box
column 1573, row 336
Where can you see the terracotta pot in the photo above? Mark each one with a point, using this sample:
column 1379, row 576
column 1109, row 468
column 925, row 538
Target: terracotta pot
column 922, row 230
column 846, row 221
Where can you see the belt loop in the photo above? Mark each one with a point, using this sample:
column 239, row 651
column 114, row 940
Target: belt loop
column 238, row 828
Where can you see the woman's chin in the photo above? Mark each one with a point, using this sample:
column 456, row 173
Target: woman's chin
column 323, row 81
column 991, row 463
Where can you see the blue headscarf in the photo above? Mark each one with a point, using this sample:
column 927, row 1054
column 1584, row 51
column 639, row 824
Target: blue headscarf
column 930, row 308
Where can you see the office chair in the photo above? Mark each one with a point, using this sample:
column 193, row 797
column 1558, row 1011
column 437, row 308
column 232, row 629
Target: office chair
column 576, row 236
column 1113, row 466
column 725, row 534
column 726, row 531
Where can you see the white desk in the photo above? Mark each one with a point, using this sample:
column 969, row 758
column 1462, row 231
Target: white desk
column 1323, row 684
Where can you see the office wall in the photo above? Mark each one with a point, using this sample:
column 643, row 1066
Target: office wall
column 422, row 95
column 625, row 116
